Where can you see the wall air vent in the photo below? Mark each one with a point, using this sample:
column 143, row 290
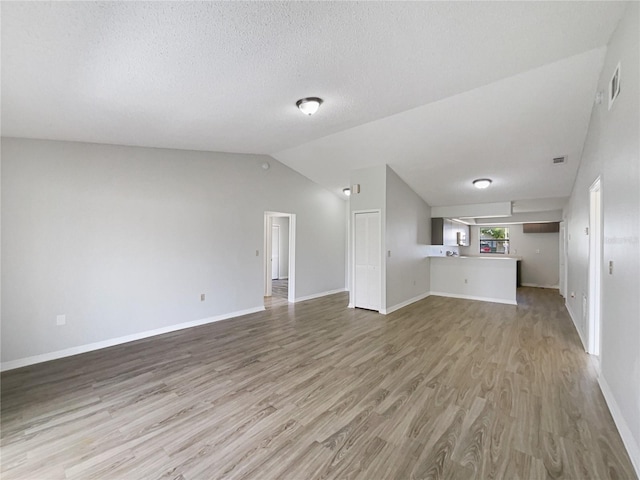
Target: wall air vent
column 559, row 160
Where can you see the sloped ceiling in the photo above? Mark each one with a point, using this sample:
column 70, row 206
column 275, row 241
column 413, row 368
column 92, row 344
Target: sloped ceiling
column 442, row 91
column 508, row 131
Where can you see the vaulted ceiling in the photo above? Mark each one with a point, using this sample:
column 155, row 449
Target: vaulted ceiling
column 443, row 92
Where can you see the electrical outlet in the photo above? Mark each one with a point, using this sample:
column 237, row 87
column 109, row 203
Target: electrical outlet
column 202, row 297
column 537, row 250
column 610, row 267
column 61, row 320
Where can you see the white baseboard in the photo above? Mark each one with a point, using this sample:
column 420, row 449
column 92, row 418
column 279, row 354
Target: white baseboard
column 386, row 311
column 575, row 324
column 633, row 449
column 318, row 295
column 556, row 287
column 68, row 352
column 471, row 297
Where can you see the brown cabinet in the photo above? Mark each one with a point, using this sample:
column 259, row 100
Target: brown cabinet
column 445, row 231
column 437, row 231
column 550, row 227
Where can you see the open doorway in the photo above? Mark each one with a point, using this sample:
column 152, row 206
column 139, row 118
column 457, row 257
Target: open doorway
column 595, row 266
column 279, row 258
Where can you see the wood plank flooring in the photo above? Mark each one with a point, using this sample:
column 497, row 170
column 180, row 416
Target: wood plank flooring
column 280, row 294
column 445, row 388
column 280, row 287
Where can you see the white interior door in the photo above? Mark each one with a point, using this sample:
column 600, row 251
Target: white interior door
column 275, row 252
column 367, row 276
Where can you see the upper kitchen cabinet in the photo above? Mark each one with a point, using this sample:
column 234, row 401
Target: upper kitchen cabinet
column 550, row 227
column 445, row 231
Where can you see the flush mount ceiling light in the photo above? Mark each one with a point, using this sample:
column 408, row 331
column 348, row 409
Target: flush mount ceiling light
column 346, row 191
column 482, row 183
column 309, row 105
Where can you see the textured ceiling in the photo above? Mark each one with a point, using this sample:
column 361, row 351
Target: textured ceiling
column 509, row 131
column 224, row 76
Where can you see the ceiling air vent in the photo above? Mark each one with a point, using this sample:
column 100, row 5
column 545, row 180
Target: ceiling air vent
column 559, row 160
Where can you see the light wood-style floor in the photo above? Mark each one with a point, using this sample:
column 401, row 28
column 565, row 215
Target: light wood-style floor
column 444, row 388
column 279, row 294
column 280, row 287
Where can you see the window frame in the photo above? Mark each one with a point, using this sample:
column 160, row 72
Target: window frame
column 493, row 245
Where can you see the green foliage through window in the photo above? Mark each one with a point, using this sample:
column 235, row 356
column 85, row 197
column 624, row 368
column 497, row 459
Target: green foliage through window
column 494, row 232
column 494, row 240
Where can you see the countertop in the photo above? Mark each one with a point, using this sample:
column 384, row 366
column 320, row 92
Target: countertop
column 482, row 257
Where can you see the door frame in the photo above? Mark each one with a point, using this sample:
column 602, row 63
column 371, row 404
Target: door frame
column 352, row 263
column 595, row 268
column 562, row 284
column 273, row 229
column 266, row 264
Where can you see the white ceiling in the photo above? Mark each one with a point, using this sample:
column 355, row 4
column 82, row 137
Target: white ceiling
column 442, row 91
column 508, row 131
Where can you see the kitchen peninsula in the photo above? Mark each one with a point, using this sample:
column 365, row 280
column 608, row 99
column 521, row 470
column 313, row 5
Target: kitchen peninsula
column 486, row 278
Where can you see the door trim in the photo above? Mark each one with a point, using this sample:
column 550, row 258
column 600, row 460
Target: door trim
column 562, row 259
column 594, row 316
column 266, row 266
column 275, row 228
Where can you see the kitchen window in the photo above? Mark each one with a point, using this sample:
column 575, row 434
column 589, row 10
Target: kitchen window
column 494, row 240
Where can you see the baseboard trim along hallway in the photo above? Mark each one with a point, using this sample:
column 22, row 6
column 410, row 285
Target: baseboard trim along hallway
column 386, row 311
column 319, row 295
column 89, row 347
column 633, row 449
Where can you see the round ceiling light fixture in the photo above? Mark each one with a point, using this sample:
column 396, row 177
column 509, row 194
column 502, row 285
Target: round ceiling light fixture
column 309, row 105
column 347, row 191
column 482, row 183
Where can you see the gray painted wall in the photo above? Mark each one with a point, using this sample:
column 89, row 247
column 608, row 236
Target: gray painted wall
column 538, row 269
column 124, row 240
column 408, row 231
column 612, row 151
column 406, row 224
column 372, row 196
